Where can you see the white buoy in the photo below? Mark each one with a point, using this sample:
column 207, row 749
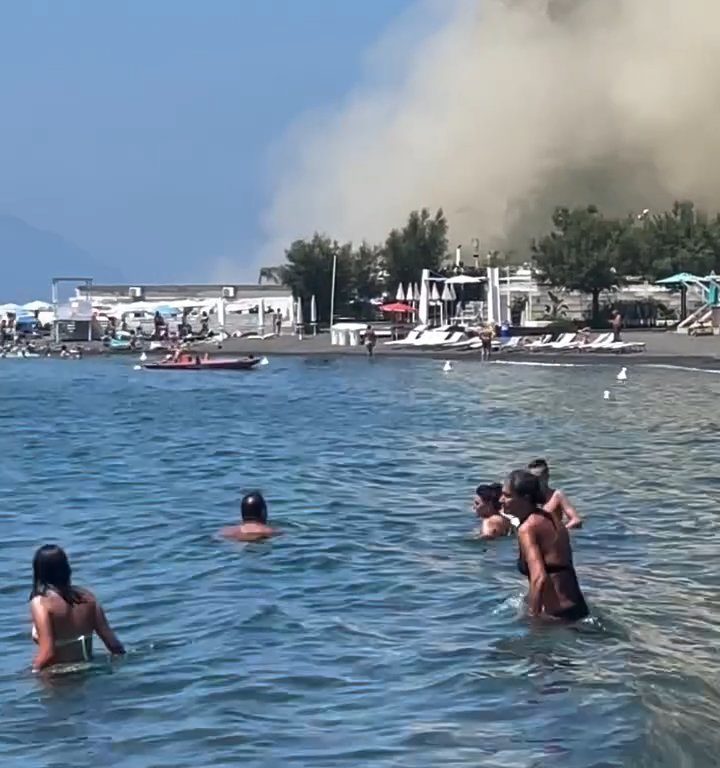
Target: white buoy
column 606, row 394
column 143, row 357
column 264, row 361
column 622, row 376
column 137, row 367
column 447, row 367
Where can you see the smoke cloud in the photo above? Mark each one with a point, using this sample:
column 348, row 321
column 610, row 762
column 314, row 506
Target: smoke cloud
column 497, row 110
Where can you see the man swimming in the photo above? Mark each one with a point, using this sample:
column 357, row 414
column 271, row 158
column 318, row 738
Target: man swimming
column 556, row 502
column 254, row 526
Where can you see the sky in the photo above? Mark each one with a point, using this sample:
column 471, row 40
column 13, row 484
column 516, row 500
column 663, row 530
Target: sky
column 145, row 131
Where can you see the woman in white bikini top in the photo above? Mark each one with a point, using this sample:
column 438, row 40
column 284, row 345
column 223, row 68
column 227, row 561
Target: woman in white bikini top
column 64, row 618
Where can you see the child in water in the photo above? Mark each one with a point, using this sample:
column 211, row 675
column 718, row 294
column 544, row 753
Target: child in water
column 254, row 526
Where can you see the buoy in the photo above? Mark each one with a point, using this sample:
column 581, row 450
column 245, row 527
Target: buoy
column 137, row 367
column 264, row 361
column 447, row 367
column 622, row 376
column 606, row 394
column 143, row 357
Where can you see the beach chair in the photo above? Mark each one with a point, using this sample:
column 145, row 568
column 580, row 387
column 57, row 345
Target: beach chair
column 542, row 343
column 564, row 342
column 513, row 343
column 595, row 343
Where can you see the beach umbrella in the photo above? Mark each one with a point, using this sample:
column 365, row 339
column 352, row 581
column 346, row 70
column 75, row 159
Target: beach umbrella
column 313, row 314
column 400, row 293
column 410, row 295
column 397, row 308
column 37, row 306
column 299, row 317
column 434, row 293
column 453, row 292
column 463, row 280
column 261, row 317
column 12, row 308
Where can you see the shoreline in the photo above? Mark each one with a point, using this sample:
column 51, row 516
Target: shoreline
column 662, row 349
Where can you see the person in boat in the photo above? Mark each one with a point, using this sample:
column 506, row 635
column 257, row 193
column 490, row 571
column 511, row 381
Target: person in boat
column 556, row 502
column 254, row 525
column 487, row 507
column 545, row 555
column 64, row 617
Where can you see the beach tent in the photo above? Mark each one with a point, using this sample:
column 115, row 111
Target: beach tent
column 682, row 280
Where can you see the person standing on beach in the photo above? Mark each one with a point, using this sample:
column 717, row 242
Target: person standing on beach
column 617, row 323
column 277, row 321
column 370, row 340
column 486, row 337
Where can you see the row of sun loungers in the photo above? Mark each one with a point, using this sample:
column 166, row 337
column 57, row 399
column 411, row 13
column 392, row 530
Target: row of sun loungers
column 438, row 338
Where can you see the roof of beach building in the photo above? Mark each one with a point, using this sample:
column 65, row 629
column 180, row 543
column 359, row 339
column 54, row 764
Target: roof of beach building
column 187, row 291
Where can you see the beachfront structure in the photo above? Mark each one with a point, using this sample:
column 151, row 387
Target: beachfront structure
column 230, row 306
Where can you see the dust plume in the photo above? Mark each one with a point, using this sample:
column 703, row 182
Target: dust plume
column 497, row 110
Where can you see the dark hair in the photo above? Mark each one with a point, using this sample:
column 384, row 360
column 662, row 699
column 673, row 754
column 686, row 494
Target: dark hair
column 253, row 508
column 490, row 494
column 539, row 464
column 526, row 486
column 51, row 570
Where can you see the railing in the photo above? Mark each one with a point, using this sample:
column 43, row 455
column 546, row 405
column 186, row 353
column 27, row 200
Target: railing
column 701, row 315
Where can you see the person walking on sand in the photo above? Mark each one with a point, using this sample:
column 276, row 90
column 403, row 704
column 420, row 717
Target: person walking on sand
column 277, row 321
column 370, row 341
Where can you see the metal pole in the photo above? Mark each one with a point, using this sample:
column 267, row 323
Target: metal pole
column 332, row 290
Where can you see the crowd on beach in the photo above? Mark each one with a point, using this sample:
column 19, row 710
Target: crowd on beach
column 65, row 617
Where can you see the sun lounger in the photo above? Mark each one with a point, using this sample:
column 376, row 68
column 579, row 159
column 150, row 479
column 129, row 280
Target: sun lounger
column 564, row 342
column 409, row 340
column 595, row 343
column 541, row 343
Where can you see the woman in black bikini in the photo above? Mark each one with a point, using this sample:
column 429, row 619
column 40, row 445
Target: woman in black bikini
column 545, row 555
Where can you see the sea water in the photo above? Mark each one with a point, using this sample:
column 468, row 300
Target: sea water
column 377, row 631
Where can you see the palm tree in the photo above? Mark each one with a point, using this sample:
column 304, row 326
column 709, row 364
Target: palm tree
column 271, row 275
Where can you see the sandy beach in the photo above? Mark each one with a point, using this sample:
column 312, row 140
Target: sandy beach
column 661, row 348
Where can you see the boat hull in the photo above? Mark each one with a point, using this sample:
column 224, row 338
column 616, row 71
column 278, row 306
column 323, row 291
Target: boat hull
column 240, row 364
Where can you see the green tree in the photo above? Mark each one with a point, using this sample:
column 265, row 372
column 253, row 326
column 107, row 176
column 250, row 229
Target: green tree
column 421, row 244
column 308, row 272
column 367, row 272
column 680, row 240
column 581, row 253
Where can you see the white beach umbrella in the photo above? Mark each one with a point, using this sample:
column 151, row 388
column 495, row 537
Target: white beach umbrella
column 37, row 306
column 446, row 293
column 416, row 291
column 261, row 316
column 313, row 309
column 463, row 280
column 400, row 293
column 453, row 293
column 434, row 293
column 13, row 308
column 299, row 316
column 410, row 295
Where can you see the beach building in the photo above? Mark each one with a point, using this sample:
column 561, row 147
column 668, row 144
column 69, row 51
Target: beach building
column 234, row 307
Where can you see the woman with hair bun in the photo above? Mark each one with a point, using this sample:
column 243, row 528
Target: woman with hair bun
column 545, row 556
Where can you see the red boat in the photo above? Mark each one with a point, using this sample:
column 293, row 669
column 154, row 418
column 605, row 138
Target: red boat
column 196, row 363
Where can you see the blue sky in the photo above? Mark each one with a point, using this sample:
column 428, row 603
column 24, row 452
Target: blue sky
column 142, row 130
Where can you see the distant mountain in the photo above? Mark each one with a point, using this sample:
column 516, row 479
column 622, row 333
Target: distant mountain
column 31, row 257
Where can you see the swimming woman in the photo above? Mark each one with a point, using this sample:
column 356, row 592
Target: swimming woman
column 545, row 556
column 254, row 526
column 487, row 507
column 64, row 617
column 556, row 502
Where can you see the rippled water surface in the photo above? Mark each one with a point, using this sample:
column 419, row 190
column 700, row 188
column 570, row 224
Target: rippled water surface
column 377, row 631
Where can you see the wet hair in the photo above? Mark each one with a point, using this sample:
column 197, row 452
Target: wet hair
column 540, row 464
column 253, row 508
column 490, row 494
column 527, row 486
column 51, row 571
